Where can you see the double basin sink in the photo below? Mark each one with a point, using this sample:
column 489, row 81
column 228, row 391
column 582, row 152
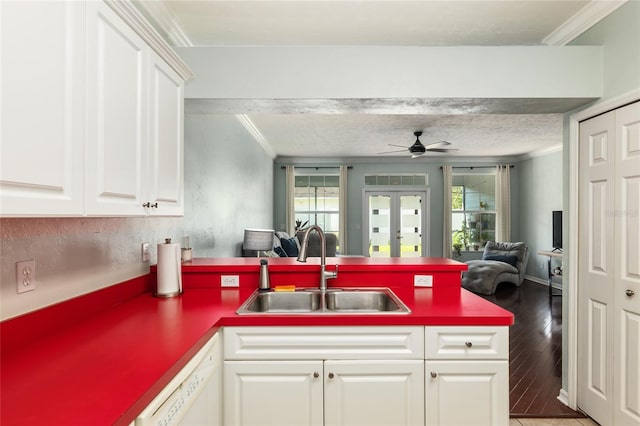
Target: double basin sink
column 362, row 301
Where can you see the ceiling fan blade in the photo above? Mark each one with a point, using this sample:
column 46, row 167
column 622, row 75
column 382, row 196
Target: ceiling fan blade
column 417, row 155
column 442, row 149
column 441, row 143
column 399, row 146
column 391, row 152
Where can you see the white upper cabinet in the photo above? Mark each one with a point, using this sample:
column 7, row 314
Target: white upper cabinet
column 42, row 111
column 117, row 108
column 92, row 116
column 166, row 156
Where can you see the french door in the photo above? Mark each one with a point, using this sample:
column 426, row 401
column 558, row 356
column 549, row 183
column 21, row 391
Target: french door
column 395, row 223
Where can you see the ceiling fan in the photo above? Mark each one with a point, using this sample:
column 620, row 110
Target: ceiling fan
column 418, row 149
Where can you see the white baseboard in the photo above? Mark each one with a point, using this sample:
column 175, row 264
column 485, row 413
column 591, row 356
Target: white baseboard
column 537, row 280
column 564, row 398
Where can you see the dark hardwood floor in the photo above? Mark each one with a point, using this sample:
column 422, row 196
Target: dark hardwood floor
column 535, row 350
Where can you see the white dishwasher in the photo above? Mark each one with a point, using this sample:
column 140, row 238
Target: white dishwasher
column 193, row 397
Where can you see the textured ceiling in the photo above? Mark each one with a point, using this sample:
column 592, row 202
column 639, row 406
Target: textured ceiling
column 363, row 22
column 363, row 128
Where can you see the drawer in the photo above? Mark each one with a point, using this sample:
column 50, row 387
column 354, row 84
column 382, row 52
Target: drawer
column 467, row 342
column 301, row 343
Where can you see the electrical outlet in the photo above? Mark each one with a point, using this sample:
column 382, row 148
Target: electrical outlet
column 25, row 276
column 146, row 255
column 423, row 281
column 229, row 281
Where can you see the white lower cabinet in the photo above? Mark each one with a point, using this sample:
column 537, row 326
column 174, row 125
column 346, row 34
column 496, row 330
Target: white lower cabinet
column 366, row 376
column 295, row 376
column 273, row 393
column 467, row 376
column 363, row 393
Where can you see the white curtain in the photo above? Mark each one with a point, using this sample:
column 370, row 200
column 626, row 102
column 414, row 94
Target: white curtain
column 503, row 203
column 446, row 214
column 290, row 217
column 343, row 209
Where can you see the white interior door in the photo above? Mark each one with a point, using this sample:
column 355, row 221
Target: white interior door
column 626, row 409
column 609, row 267
column 395, row 223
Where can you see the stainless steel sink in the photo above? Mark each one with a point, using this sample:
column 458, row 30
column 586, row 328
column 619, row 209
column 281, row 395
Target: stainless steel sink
column 364, row 301
column 282, row 302
column 333, row 301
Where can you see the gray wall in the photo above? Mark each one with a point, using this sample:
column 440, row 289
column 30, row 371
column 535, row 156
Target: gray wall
column 540, row 192
column 229, row 184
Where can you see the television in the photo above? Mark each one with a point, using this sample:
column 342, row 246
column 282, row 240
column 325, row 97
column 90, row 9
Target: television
column 557, row 230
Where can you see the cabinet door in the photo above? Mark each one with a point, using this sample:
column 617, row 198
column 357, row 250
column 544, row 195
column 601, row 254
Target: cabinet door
column 42, row 109
column 460, row 393
column 117, row 119
column 166, row 177
column 277, row 393
column 371, row 393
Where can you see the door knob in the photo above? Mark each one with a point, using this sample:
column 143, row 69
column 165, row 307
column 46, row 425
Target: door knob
column 434, row 374
column 331, row 375
column 630, row 293
column 468, row 344
column 316, row 374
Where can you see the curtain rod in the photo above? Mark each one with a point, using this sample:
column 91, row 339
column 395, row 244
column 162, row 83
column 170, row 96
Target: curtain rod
column 317, row 168
column 511, row 166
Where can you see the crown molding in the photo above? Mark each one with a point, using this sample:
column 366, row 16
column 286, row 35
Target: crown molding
column 255, row 133
column 541, row 152
column 158, row 13
column 584, row 19
column 132, row 17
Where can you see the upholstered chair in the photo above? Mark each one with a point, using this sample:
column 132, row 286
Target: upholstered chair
column 501, row 262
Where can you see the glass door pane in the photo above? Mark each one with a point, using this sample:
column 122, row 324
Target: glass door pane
column 379, row 226
column 410, row 230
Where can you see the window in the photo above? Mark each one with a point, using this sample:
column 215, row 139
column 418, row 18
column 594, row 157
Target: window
column 473, row 210
column 317, row 202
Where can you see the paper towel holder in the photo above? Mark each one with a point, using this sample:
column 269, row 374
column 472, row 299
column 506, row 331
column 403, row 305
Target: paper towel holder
column 172, row 288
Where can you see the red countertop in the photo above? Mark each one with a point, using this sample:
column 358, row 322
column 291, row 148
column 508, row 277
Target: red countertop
column 105, row 367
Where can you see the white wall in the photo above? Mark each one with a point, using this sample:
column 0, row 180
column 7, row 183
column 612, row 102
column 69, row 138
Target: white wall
column 321, row 72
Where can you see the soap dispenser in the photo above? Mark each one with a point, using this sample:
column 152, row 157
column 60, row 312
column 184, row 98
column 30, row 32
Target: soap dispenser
column 263, row 283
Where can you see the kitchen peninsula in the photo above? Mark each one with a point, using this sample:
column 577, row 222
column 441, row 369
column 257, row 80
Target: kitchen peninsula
column 101, row 358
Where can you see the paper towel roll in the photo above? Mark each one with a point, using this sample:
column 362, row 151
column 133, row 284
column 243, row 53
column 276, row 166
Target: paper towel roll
column 169, row 270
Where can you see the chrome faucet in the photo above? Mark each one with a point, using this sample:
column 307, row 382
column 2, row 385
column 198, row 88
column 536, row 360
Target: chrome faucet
column 302, row 256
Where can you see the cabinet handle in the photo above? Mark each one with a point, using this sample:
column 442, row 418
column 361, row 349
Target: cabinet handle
column 147, row 204
column 316, row 374
column 434, row 374
column 630, row 293
column 331, row 375
column 154, row 205
column 468, row 344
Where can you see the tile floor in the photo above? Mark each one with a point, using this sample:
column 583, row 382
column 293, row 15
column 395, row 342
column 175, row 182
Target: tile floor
column 552, row 422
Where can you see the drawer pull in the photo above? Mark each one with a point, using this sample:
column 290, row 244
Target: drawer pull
column 630, row 293
column 468, row 344
column 316, row 374
column 434, row 374
column 331, row 375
